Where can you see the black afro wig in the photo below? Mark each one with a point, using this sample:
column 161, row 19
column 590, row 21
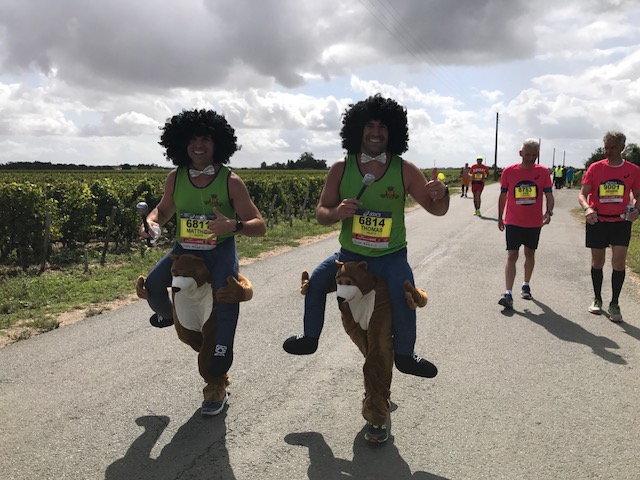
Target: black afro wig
column 386, row 110
column 180, row 129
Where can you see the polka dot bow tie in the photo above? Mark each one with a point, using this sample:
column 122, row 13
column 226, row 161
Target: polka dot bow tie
column 382, row 158
column 208, row 170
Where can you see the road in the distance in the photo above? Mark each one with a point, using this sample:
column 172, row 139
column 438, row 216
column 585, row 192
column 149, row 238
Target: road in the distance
column 547, row 391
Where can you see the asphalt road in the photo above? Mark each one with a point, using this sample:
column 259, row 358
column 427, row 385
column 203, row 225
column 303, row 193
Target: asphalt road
column 547, row 391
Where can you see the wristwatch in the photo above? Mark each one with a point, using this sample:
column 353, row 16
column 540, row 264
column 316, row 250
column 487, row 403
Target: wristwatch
column 239, row 226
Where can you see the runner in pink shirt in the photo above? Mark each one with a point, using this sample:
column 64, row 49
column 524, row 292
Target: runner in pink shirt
column 609, row 209
column 521, row 190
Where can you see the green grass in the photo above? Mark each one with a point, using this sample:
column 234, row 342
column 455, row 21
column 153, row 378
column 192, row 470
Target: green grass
column 31, row 303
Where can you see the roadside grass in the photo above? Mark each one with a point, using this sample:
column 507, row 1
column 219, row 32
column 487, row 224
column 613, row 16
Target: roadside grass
column 32, row 303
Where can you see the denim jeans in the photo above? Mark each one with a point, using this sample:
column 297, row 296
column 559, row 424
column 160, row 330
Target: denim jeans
column 394, row 268
column 221, row 261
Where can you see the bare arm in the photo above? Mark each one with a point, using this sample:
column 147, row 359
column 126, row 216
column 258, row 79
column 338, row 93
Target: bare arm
column 502, row 201
column 590, row 214
column 165, row 209
column 551, row 201
column 331, row 208
column 253, row 223
column 430, row 195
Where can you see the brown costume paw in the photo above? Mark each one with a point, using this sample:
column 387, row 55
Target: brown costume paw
column 141, row 290
column 237, row 290
column 304, row 287
column 416, row 297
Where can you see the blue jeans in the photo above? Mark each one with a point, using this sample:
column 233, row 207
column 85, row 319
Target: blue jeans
column 394, row 268
column 221, row 261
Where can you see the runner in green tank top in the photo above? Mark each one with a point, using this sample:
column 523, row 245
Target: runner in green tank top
column 374, row 134
column 205, row 198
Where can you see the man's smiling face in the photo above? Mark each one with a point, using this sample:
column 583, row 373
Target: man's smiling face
column 375, row 138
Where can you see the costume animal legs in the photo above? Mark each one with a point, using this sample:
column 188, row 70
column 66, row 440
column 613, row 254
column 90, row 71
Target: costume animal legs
column 376, row 345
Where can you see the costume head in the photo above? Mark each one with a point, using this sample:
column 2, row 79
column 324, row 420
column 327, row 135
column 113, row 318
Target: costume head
column 387, row 111
column 181, row 128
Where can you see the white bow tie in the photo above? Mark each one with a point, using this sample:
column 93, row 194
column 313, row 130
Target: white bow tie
column 208, row 170
column 382, row 158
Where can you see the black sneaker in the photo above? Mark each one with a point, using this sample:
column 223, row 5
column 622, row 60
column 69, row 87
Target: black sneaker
column 415, row 365
column 376, row 433
column 160, row 322
column 300, row 345
column 506, row 301
column 526, row 292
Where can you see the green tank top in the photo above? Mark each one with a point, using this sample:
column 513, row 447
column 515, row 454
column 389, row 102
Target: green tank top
column 377, row 228
column 194, row 208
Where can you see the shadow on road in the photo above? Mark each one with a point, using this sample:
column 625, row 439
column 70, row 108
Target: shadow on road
column 569, row 331
column 631, row 330
column 369, row 461
column 197, row 449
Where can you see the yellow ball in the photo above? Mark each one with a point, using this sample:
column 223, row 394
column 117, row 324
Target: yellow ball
column 441, row 176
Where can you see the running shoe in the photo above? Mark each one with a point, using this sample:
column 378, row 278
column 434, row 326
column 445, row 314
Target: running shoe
column 614, row 313
column 596, row 307
column 376, row 433
column 210, row 409
column 506, row 301
column 526, row 292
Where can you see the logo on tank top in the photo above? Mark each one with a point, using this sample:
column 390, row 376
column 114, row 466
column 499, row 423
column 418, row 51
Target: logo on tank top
column 390, row 194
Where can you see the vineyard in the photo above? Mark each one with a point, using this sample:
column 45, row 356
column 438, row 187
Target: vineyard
column 64, row 212
column 42, row 212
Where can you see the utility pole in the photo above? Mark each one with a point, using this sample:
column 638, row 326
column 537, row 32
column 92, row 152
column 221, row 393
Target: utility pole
column 564, row 152
column 539, row 145
column 495, row 151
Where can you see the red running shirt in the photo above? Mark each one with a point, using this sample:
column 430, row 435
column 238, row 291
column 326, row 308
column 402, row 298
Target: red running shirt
column 525, row 188
column 611, row 187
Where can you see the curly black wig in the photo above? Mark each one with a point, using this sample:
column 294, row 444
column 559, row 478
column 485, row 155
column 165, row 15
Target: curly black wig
column 386, row 110
column 180, row 129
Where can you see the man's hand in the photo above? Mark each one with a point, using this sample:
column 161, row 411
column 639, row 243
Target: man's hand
column 590, row 216
column 347, row 208
column 221, row 224
column 435, row 188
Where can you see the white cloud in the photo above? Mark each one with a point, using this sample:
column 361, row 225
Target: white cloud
column 91, row 84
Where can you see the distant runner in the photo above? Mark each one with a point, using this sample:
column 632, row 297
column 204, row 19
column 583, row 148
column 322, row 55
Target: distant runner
column 465, row 178
column 479, row 174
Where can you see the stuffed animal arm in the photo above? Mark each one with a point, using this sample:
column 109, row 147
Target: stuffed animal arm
column 235, row 291
column 304, row 286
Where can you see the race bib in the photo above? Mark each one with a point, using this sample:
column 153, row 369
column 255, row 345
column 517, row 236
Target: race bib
column 478, row 176
column 611, row 191
column 526, row 194
column 193, row 235
column 371, row 229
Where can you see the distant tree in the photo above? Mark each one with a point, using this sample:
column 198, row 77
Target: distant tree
column 305, row 162
column 308, row 162
column 631, row 153
column 596, row 156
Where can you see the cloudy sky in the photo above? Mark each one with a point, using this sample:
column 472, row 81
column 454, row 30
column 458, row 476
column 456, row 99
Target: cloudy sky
column 88, row 82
